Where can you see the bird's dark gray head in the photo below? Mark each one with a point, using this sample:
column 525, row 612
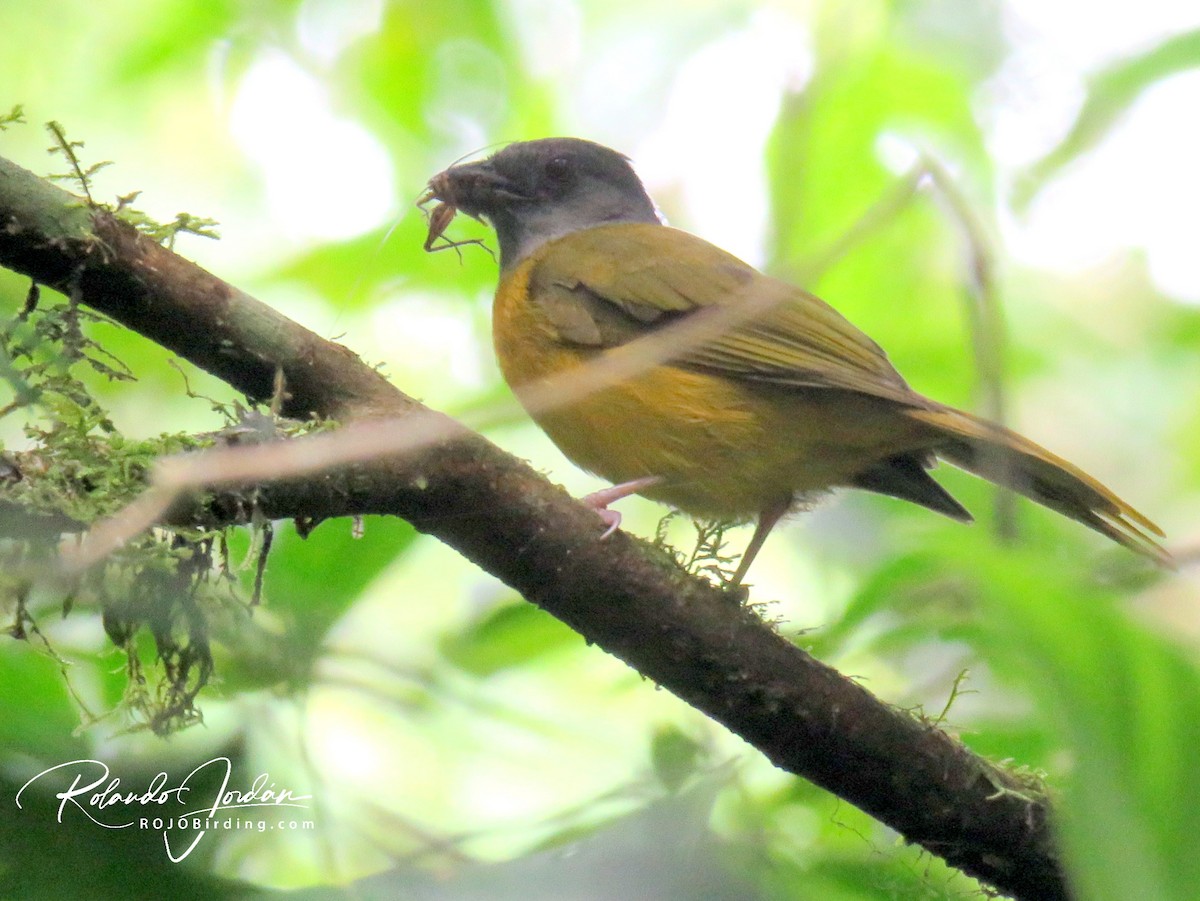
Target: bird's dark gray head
column 534, row 191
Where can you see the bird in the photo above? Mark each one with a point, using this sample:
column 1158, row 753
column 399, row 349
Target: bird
column 756, row 398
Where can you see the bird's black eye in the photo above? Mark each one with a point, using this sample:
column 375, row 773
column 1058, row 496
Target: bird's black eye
column 558, row 169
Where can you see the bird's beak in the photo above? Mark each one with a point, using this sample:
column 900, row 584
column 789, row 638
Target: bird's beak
column 475, row 188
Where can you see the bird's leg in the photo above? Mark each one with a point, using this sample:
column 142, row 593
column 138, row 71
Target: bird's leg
column 599, row 500
column 766, row 522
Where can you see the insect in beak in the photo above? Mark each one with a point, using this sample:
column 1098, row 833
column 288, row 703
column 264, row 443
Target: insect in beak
column 439, row 219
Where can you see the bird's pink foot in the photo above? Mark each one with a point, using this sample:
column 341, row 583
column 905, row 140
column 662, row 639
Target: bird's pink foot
column 599, row 500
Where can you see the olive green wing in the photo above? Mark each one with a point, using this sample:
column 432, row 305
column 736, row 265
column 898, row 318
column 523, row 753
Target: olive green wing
column 606, row 286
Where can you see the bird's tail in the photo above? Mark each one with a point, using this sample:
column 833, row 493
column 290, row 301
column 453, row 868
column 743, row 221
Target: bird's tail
column 1006, row 458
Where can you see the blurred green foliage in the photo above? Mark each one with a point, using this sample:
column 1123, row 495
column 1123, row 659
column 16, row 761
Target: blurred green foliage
column 453, row 737
column 1110, row 94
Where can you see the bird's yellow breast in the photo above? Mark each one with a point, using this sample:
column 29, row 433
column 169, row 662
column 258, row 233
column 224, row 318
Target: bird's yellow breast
column 723, row 448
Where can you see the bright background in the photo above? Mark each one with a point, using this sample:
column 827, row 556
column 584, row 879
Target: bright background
column 453, row 735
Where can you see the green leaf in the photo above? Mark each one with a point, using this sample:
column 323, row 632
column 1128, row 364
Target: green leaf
column 39, row 715
column 299, row 580
column 1110, row 95
column 675, row 756
column 508, row 636
column 1126, row 702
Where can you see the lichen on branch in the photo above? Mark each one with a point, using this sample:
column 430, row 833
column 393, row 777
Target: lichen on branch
column 157, row 597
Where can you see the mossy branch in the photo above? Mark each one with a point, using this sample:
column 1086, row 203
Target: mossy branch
column 676, row 629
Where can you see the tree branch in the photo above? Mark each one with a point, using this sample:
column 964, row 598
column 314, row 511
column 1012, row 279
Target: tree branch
column 677, row 630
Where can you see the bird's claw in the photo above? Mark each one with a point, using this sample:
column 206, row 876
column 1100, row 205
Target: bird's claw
column 611, row 518
column 599, row 501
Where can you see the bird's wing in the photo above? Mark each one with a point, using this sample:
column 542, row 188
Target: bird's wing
column 608, row 285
